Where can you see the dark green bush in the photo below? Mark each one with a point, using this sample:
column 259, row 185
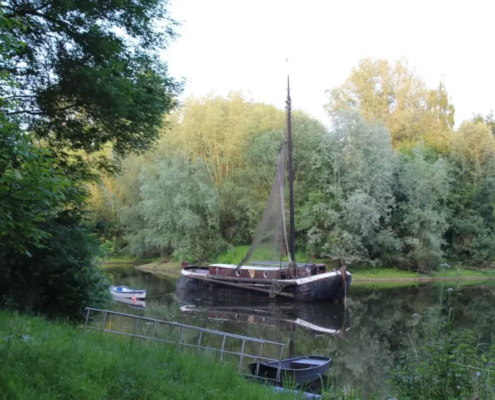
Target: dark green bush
column 58, row 278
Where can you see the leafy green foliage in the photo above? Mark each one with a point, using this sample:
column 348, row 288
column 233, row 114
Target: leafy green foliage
column 33, row 188
column 219, row 159
column 59, row 276
column 352, row 200
column 88, row 74
column 76, row 77
column 446, row 366
column 357, row 199
column 178, row 208
column 472, row 222
column 394, row 95
column 423, row 188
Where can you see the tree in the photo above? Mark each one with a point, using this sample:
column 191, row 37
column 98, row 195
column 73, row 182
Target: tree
column 421, row 219
column 220, row 131
column 58, row 277
column 472, row 231
column 394, row 95
column 489, row 120
column 74, row 76
column 89, row 73
column 179, row 210
column 238, row 142
column 351, row 203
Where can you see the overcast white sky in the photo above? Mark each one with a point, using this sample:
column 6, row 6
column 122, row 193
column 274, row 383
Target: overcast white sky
column 242, row 45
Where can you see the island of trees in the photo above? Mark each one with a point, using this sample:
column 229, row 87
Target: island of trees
column 392, row 182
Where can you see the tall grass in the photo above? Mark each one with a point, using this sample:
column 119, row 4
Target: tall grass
column 55, row 360
column 446, row 365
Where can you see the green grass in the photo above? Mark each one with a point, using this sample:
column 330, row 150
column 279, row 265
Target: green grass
column 391, row 274
column 55, row 360
column 129, row 259
column 126, row 261
column 465, row 273
column 382, row 273
column 167, row 268
column 237, row 253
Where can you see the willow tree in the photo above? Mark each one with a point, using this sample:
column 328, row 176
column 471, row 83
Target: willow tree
column 395, row 95
column 351, row 201
column 237, row 143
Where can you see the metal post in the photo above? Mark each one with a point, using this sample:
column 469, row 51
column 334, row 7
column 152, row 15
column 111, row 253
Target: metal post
column 104, row 321
column 135, row 326
column 223, row 347
column 279, row 369
column 87, row 318
column 242, row 355
column 258, row 360
column 154, row 329
column 180, row 337
column 199, row 341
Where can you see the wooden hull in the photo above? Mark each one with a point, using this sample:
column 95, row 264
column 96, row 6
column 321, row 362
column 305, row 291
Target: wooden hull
column 328, row 286
column 294, row 370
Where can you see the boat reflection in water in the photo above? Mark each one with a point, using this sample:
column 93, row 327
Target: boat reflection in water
column 324, row 318
column 131, row 301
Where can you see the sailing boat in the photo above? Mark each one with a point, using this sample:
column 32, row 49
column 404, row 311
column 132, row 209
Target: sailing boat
column 276, row 278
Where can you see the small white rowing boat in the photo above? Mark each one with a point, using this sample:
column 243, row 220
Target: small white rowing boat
column 132, row 302
column 126, row 292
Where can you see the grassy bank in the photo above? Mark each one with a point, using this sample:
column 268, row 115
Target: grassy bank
column 369, row 273
column 390, row 274
column 127, row 259
column 56, row 360
column 360, row 273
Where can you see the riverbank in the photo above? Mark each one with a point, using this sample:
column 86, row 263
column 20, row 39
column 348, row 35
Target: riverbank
column 45, row 360
column 395, row 275
column 361, row 274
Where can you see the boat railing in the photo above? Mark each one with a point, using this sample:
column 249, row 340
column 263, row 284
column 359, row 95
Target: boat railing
column 153, row 327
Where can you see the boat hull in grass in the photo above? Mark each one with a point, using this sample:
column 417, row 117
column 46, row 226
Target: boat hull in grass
column 297, row 370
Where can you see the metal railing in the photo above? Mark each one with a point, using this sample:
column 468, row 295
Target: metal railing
column 183, row 329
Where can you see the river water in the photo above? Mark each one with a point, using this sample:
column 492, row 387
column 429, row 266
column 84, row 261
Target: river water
column 365, row 338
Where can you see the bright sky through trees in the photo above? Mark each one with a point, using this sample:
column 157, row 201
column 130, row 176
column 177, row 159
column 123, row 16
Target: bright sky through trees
column 242, row 45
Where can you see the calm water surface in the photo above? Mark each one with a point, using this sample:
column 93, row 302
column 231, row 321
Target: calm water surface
column 365, row 338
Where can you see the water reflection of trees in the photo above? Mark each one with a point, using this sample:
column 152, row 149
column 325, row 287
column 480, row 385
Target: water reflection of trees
column 386, row 323
column 383, row 323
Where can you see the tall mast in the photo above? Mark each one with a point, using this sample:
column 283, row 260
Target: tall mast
column 291, row 178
